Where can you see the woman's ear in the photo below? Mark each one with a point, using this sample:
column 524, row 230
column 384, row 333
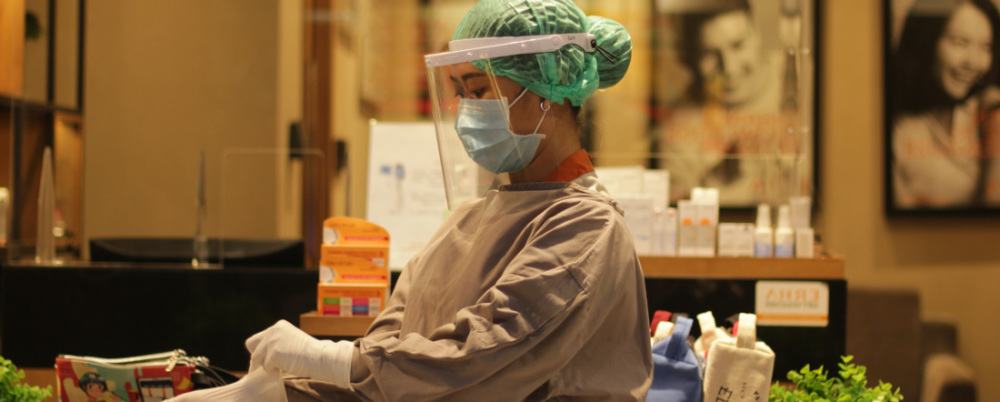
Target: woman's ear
column 544, row 104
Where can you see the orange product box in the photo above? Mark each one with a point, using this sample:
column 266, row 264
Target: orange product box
column 342, row 230
column 339, row 268
column 378, row 255
column 351, row 299
column 356, row 238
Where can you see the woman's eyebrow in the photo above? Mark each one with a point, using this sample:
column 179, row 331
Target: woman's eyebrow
column 467, row 76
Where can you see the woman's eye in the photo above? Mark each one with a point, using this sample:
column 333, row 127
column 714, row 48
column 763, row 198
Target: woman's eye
column 957, row 41
column 478, row 93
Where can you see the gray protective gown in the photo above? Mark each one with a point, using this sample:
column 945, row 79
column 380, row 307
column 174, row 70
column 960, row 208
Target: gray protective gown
column 531, row 293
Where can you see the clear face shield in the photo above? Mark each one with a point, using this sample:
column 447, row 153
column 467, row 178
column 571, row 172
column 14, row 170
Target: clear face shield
column 476, row 142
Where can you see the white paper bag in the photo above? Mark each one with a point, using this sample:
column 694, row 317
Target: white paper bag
column 709, row 334
column 739, row 369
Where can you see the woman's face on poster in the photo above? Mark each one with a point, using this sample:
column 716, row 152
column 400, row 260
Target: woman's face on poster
column 964, row 51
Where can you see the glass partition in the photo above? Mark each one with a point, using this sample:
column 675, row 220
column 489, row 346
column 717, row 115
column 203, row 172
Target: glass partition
column 259, row 219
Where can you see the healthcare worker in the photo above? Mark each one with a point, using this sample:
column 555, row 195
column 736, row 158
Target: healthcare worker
column 531, row 289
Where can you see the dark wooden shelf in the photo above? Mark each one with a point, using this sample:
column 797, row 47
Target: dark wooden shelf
column 331, row 325
column 826, row 267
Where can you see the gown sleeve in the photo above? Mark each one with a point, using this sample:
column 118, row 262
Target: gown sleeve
column 544, row 308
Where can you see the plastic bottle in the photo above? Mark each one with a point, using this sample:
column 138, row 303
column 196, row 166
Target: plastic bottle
column 784, row 236
column 763, row 235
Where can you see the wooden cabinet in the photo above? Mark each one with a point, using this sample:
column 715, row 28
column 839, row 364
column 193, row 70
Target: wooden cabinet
column 41, row 107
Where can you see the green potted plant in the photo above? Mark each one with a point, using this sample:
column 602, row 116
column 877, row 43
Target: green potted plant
column 11, row 388
column 852, row 385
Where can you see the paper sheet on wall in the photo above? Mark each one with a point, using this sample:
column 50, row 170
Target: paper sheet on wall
column 405, row 189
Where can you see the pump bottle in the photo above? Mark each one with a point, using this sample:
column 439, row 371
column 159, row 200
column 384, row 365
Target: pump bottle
column 763, row 235
column 784, row 236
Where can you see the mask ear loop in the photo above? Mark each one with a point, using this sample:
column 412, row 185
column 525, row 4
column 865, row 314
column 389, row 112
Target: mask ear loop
column 523, row 91
column 496, row 90
column 545, row 111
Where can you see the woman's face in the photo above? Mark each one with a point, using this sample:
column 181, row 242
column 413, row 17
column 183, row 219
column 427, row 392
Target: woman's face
column 472, row 83
column 964, row 50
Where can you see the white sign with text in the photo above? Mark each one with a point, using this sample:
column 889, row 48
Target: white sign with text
column 792, row 304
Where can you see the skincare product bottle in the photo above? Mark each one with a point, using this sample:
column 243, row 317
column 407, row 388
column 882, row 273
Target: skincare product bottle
column 804, row 244
column 670, row 233
column 639, row 216
column 800, row 212
column 659, row 231
column 763, row 235
column 707, row 201
column 728, row 233
column 745, row 240
column 784, row 237
column 687, row 212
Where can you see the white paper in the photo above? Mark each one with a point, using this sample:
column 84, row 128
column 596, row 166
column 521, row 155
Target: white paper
column 405, row 189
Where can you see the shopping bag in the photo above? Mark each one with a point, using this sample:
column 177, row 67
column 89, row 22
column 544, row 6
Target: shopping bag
column 658, row 317
column 739, row 369
column 676, row 370
column 709, row 334
column 153, row 377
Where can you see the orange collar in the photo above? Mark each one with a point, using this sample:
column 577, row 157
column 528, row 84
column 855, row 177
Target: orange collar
column 576, row 165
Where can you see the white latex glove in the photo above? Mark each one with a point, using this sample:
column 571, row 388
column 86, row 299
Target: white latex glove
column 286, row 349
column 257, row 385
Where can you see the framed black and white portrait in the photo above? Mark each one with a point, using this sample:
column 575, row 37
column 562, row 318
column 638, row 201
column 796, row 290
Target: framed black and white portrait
column 733, row 99
column 942, row 98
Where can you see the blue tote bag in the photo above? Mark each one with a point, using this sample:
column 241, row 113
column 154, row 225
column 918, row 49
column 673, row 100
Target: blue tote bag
column 676, row 370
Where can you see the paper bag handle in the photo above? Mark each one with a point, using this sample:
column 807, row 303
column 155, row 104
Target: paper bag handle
column 706, row 321
column 746, row 337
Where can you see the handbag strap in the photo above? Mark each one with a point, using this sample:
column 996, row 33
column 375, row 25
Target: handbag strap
column 677, row 345
column 746, row 337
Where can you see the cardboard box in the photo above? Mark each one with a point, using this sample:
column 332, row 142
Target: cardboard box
column 351, row 300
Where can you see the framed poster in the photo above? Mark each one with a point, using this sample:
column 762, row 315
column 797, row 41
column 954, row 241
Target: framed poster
column 942, row 98
column 733, row 98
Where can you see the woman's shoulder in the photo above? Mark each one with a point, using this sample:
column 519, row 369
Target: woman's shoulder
column 990, row 97
column 912, row 125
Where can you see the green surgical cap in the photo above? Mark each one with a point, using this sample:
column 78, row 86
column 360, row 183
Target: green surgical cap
column 568, row 73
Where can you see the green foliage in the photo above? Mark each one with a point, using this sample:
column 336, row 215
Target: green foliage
column 852, row 385
column 11, row 389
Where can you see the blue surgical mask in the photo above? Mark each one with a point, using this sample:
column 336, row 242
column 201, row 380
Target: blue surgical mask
column 482, row 126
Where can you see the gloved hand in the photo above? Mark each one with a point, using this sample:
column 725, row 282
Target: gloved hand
column 286, row 349
column 257, row 385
